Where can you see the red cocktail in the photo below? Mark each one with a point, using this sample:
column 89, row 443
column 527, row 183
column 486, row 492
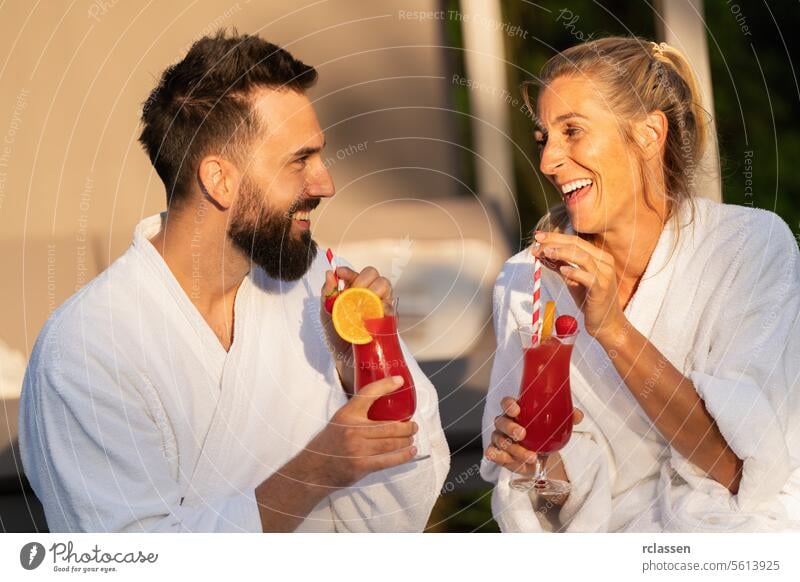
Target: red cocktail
column 381, row 358
column 545, row 403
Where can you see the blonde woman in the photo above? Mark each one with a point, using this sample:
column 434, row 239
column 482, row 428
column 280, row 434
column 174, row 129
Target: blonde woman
column 687, row 360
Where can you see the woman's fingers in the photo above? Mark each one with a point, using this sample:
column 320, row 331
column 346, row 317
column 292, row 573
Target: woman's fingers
column 500, row 457
column 505, row 460
column 560, row 239
column 570, row 253
column 579, row 276
column 509, row 428
column 517, row 452
column 577, row 416
column 509, row 406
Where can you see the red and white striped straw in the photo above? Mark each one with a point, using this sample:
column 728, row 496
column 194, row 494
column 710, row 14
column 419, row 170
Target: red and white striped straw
column 339, row 283
column 537, row 291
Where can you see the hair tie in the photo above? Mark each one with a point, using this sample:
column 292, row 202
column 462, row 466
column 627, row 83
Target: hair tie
column 658, row 49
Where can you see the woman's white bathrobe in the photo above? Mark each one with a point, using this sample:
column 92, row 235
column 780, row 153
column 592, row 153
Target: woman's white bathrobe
column 134, row 417
column 723, row 309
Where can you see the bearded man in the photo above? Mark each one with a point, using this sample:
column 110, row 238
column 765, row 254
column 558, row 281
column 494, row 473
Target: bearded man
column 196, row 385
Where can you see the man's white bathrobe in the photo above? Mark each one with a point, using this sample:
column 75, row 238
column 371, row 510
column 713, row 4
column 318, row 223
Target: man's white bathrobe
column 722, row 306
column 134, row 417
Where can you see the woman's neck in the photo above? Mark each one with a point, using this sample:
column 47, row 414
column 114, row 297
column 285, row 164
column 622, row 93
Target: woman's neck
column 633, row 244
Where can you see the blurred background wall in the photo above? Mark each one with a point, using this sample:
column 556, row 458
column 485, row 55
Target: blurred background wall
column 428, row 144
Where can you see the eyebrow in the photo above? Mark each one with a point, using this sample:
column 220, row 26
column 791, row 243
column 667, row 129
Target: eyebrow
column 309, row 150
column 557, row 120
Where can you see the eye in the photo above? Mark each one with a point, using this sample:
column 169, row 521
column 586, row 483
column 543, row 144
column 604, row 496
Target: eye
column 572, row 131
column 300, row 162
column 540, row 138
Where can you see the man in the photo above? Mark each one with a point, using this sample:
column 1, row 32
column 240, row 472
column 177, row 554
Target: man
column 197, row 385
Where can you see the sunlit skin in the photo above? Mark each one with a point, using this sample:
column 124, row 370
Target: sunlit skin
column 286, row 163
column 580, row 137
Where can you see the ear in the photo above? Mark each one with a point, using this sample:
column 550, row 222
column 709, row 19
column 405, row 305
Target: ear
column 219, row 180
column 652, row 133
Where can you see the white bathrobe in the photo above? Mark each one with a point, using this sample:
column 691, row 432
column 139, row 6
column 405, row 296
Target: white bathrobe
column 135, row 418
column 723, row 308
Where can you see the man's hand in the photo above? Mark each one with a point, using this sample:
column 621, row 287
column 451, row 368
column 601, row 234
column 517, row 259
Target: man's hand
column 351, row 446
column 370, row 279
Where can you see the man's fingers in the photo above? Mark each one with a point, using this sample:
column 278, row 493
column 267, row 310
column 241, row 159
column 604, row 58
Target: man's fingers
column 388, row 460
column 383, row 446
column 382, row 288
column 330, row 284
column 369, row 278
column 509, row 427
column 577, row 416
column 346, row 274
column 355, row 279
column 366, row 277
column 391, row 429
column 509, row 406
column 363, row 399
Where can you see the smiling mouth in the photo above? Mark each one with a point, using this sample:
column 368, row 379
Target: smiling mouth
column 576, row 189
column 302, row 218
column 300, row 212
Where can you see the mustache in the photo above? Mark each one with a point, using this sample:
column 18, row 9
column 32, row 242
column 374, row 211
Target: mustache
column 303, row 205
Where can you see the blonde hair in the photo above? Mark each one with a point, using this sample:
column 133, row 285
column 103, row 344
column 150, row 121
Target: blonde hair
column 638, row 77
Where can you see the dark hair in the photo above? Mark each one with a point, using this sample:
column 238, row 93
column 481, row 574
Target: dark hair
column 203, row 103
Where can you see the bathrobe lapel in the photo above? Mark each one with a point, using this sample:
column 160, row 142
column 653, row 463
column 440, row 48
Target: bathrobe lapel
column 213, row 468
column 597, row 386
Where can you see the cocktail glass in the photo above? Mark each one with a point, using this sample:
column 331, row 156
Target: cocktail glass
column 545, row 403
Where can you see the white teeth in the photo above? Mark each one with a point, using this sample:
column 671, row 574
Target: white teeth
column 302, row 215
column 574, row 185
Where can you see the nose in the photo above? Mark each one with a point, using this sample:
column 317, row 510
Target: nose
column 552, row 157
column 320, row 185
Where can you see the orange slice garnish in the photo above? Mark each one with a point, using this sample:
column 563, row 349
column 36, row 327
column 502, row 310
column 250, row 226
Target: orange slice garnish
column 549, row 318
column 351, row 308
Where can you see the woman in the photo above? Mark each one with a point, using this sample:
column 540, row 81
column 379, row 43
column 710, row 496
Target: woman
column 686, row 367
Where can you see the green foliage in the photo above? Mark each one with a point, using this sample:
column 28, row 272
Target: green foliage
column 459, row 94
column 755, row 100
column 463, row 510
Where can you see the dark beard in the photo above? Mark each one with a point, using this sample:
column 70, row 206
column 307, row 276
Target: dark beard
column 266, row 238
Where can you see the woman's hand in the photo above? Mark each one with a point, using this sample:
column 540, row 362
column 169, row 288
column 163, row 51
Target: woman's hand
column 592, row 282
column 504, row 449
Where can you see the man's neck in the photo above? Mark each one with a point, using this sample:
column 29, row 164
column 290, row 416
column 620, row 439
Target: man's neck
column 207, row 266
